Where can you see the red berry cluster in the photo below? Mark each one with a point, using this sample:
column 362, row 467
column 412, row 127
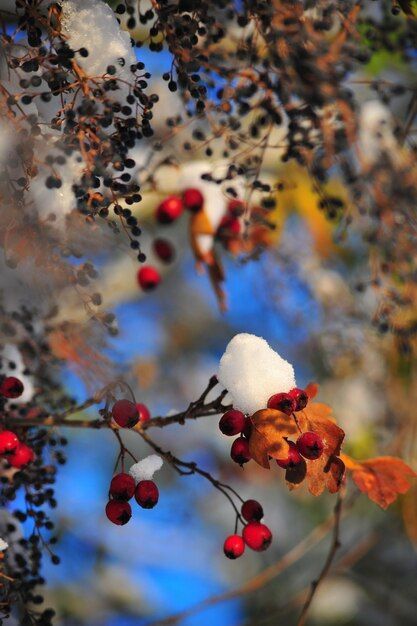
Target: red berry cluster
column 122, row 489
column 308, row 445
column 17, row 453
column 167, row 212
column 11, row 387
column 232, row 423
column 255, row 535
column 127, row 414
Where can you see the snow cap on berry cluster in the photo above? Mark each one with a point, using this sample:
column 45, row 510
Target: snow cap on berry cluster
column 252, row 372
column 146, row 468
column 3, row 545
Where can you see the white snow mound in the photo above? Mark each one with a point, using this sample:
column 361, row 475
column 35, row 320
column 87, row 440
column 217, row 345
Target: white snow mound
column 252, row 372
column 92, row 24
column 146, row 468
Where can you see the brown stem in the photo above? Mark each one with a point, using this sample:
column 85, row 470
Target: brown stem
column 195, row 410
column 334, row 546
column 192, row 468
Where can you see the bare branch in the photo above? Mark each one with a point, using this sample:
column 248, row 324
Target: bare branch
column 335, row 545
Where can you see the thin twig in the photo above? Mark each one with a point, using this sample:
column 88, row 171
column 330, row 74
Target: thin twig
column 195, row 410
column 335, row 545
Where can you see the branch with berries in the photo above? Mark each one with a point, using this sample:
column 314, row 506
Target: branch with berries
column 300, row 435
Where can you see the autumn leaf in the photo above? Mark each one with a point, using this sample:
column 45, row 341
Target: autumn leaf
column 272, row 428
column 269, row 429
column 311, row 390
column 382, row 478
column 326, row 472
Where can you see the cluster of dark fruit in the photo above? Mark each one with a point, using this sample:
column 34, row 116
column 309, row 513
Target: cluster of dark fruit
column 309, row 445
column 23, row 559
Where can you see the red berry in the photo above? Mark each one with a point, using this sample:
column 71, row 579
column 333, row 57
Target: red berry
column 230, row 224
column 300, row 397
column 232, row 422
column 11, row 387
column 143, row 412
column 282, row 402
column 252, row 511
column 257, row 536
column 310, row 445
column 122, row 486
column 193, row 199
column 148, row 277
column 164, row 250
column 118, row 512
column 240, row 451
column 21, row 456
column 125, row 413
column 234, row 546
column 294, row 457
column 169, row 210
column 8, row 442
column 147, row 494
column 236, row 207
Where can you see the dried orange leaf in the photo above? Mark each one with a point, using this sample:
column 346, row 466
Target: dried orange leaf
column 382, row 478
column 269, row 429
column 327, row 471
column 312, row 390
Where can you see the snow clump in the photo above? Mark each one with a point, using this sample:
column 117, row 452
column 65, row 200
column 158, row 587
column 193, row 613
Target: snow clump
column 252, row 372
column 146, row 468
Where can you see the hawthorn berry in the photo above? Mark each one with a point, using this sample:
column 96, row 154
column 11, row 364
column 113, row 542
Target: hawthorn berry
column 21, row 456
column 164, row 250
column 193, row 199
column 11, row 387
column 8, row 442
column 252, row 511
column 293, row 458
column 232, row 422
column 240, row 451
column 143, row 412
column 169, row 210
column 147, row 494
column 234, row 546
column 310, row 445
column 118, row 512
column 148, row 277
column 122, row 486
column 125, row 413
column 282, row 402
column 230, row 224
column 300, row 397
column 257, row 536
column 235, row 207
